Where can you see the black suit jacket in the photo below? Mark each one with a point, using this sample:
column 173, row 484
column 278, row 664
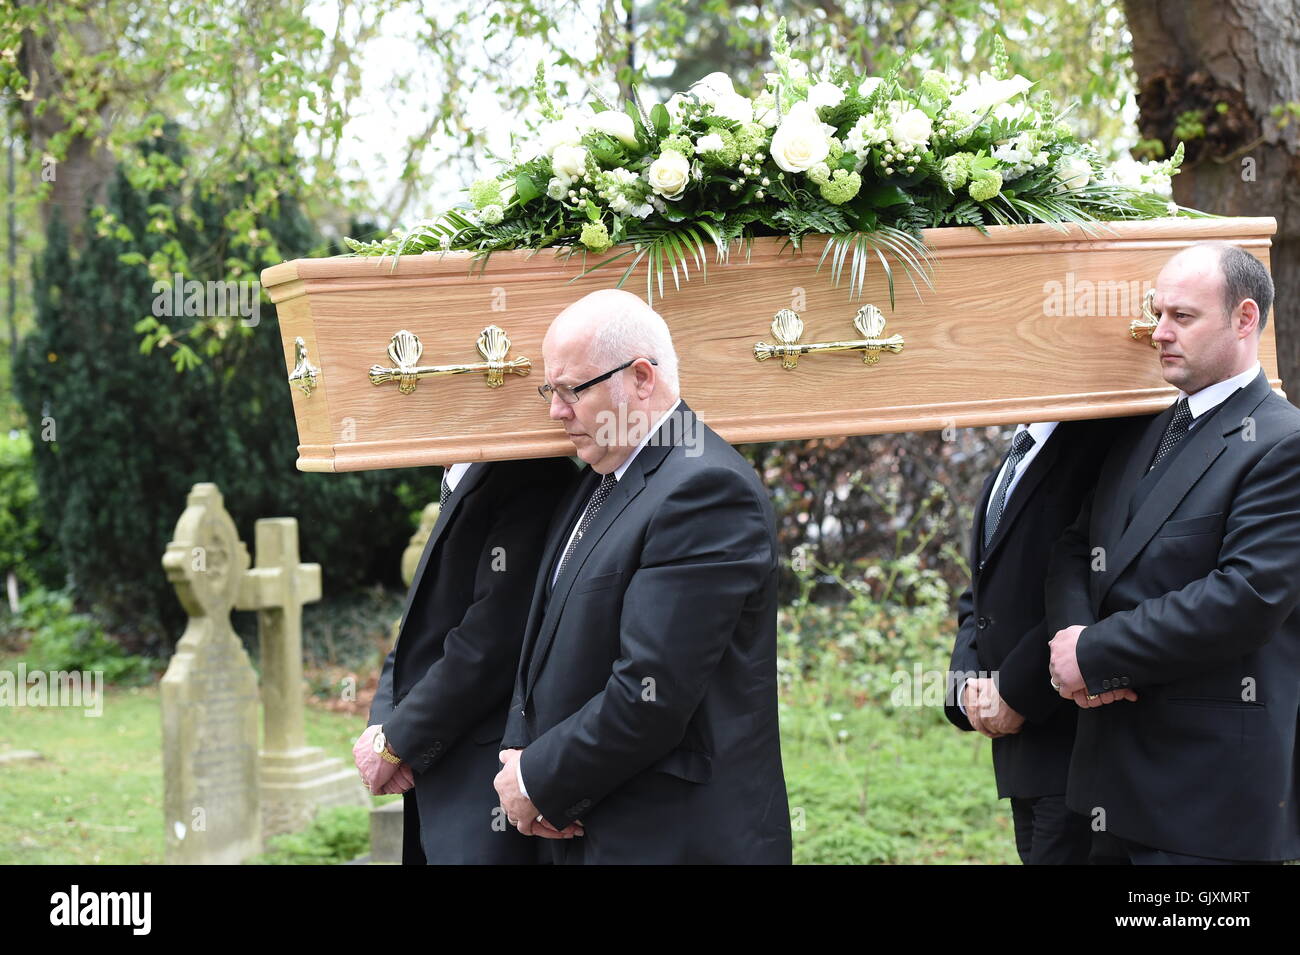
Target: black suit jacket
column 446, row 685
column 1001, row 617
column 646, row 699
column 1195, row 609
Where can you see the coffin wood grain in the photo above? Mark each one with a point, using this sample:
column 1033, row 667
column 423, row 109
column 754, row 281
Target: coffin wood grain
column 981, row 348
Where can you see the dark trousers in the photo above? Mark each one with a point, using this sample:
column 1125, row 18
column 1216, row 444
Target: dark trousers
column 1048, row 833
column 1109, row 849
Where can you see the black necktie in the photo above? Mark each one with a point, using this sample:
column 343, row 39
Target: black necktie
column 598, row 496
column 1176, row 431
column 1019, row 448
column 445, row 493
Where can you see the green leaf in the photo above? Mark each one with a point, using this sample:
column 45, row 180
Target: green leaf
column 526, row 189
column 883, row 196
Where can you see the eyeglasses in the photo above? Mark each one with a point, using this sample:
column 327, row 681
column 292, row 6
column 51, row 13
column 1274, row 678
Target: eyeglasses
column 570, row 395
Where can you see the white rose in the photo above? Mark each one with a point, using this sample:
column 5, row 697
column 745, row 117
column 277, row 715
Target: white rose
column 616, row 124
column 912, row 128
column 669, row 174
column 825, row 94
column 558, row 187
column 869, row 86
column 734, row 106
column 797, row 144
column 712, row 87
column 765, row 110
column 569, row 161
column 710, row 143
column 1075, row 172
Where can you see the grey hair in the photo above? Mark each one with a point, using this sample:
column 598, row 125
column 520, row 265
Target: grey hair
column 633, row 329
column 1244, row 276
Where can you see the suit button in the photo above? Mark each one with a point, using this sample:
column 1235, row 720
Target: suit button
column 983, row 623
column 1106, row 684
column 1123, row 681
column 982, row 565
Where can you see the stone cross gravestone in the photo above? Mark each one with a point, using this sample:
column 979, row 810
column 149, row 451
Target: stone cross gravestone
column 209, row 696
column 296, row 779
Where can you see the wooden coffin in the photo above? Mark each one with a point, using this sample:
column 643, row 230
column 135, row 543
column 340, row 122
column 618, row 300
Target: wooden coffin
column 1027, row 323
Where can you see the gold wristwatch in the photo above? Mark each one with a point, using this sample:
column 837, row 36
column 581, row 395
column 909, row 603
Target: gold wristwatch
column 381, row 747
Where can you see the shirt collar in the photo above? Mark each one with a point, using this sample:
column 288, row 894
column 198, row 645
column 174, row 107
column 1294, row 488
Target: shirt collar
column 1211, row 396
column 1040, row 431
column 455, row 473
column 622, row 468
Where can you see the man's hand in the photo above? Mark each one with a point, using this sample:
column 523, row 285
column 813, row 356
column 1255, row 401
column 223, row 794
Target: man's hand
column 519, row 809
column 988, row 713
column 400, row 782
column 375, row 771
column 1064, row 665
column 1101, row 699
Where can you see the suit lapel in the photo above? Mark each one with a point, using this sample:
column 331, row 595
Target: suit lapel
column 470, row 480
column 1025, row 487
column 625, row 491
column 1204, row 445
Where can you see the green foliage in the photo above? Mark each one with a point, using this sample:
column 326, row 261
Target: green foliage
column 335, row 836
column 64, row 640
column 131, row 436
column 25, row 547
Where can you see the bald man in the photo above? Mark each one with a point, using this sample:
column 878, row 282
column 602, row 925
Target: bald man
column 1174, row 598
column 643, row 727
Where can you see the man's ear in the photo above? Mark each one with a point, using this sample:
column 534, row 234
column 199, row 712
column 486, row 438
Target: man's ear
column 645, row 379
column 1245, row 319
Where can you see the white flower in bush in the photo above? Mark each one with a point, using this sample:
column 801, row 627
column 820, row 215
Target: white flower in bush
column 987, row 92
column 765, row 110
column 669, row 174
column 570, row 161
column 1075, row 172
column 869, row 86
column 801, row 141
column 734, row 106
column 709, row 144
column 616, row 124
column 825, row 94
column 912, row 128
column 866, row 132
column 712, row 87
column 558, row 187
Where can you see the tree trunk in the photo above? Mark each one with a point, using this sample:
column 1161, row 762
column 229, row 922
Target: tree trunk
column 1232, row 62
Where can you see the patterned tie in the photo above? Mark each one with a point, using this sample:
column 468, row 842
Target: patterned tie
column 445, row 493
column 1019, row 448
column 598, row 496
column 1176, row 431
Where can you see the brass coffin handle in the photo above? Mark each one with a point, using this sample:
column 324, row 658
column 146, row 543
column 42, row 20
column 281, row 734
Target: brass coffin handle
column 1146, row 325
column 787, row 329
column 304, row 374
column 405, row 350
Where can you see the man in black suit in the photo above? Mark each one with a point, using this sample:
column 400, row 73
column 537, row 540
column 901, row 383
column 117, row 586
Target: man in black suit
column 644, row 720
column 440, row 707
column 1175, row 595
column 997, row 687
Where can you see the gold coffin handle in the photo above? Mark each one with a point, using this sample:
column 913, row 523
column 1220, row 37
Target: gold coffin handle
column 1146, row 325
column 787, row 329
column 304, row 374
column 405, row 350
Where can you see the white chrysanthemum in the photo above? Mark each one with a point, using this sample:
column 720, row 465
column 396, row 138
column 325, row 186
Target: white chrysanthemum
column 710, row 143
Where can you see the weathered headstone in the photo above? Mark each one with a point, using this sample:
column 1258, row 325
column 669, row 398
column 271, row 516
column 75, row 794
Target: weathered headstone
column 296, row 779
column 209, row 696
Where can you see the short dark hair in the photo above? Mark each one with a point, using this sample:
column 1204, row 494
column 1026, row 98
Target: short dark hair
column 1244, row 276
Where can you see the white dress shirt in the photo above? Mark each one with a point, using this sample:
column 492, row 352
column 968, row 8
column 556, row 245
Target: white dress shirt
column 455, row 473
column 1211, row 396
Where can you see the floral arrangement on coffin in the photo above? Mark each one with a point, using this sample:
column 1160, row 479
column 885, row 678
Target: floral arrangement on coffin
column 868, row 161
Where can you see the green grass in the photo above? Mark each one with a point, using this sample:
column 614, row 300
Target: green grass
column 900, row 786
column 96, row 797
